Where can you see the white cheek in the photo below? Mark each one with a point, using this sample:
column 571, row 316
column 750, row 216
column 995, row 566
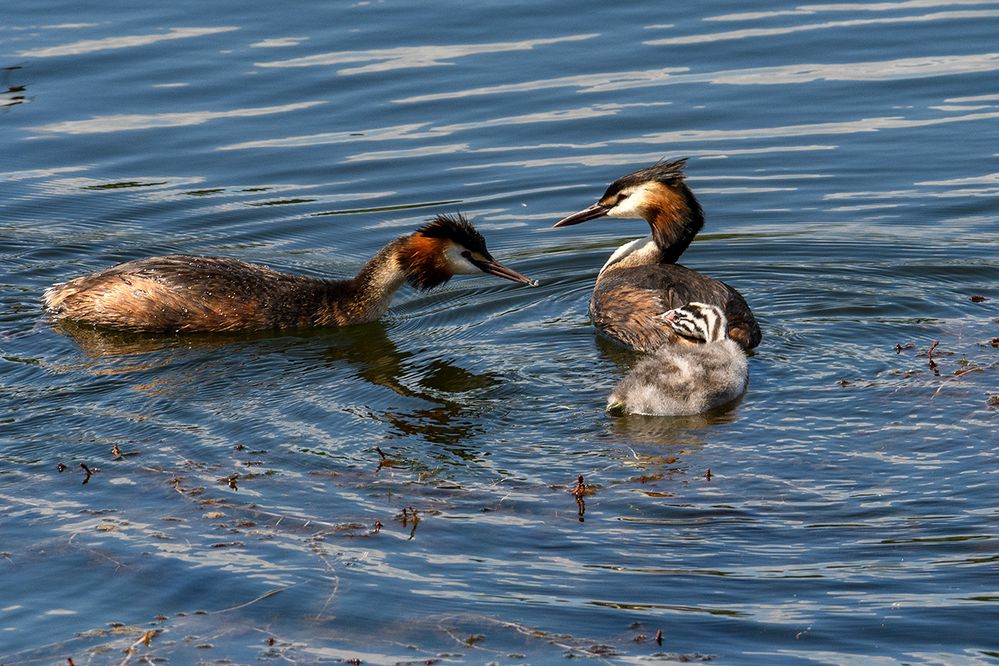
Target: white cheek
column 458, row 264
column 630, row 207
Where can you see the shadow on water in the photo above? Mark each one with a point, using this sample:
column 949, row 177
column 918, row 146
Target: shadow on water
column 674, row 430
column 379, row 362
column 11, row 94
column 100, row 343
column 367, row 349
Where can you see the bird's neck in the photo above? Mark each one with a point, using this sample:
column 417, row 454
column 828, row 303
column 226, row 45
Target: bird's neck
column 380, row 278
column 368, row 295
column 674, row 222
column 639, row 252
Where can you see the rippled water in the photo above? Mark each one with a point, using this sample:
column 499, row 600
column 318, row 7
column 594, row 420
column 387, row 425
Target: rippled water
column 844, row 512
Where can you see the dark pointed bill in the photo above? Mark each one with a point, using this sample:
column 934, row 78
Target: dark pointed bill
column 494, row 267
column 591, row 213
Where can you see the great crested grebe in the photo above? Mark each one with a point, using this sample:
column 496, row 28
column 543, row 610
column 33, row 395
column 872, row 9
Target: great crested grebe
column 180, row 293
column 703, row 369
column 642, row 280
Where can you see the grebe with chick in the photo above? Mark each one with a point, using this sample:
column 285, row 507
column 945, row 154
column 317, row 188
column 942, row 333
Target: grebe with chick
column 181, row 293
column 702, row 369
column 642, row 280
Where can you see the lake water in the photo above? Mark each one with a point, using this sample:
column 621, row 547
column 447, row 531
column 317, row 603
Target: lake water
column 843, row 512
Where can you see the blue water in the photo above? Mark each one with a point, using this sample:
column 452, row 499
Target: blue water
column 847, row 159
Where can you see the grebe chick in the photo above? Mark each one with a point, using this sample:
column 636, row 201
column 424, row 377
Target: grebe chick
column 642, row 280
column 180, row 293
column 704, row 369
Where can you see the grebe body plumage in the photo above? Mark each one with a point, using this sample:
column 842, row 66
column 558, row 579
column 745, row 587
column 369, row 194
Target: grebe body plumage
column 700, row 369
column 182, row 293
column 641, row 280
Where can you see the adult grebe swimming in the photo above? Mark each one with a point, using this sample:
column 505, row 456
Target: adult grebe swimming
column 641, row 280
column 180, row 293
column 701, row 369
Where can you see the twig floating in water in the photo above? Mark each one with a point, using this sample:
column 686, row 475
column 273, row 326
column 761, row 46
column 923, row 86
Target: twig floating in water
column 416, row 521
column 409, row 514
column 145, row 639
column 269, row 593
column 384, row 460
column 90, row 472
column 929, row 357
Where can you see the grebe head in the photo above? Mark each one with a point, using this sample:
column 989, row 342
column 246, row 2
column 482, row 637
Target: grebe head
column 642, row 194
column 697, row 322
column 660, row 196
column 449, row 245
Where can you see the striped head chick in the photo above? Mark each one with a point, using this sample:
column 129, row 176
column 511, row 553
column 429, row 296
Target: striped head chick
column 702, row 370
column 697, row 323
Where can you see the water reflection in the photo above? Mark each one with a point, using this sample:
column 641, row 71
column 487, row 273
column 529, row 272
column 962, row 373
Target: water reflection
column 367, row 349
column 405, row 57
column 278, row 42
column 807, row 10
column 797, row 73
column 124, row 41
column 13, row 94
column 417, row 131
column 850, row 23
column 674, row 430
column 98, row 343
column 139, row 121
column 379, row 362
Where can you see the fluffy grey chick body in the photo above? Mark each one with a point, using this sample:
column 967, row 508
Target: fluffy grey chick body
column 703, row 369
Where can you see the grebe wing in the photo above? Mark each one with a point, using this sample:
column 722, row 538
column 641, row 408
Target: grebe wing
column 198, row 274
column 627, row 302
column 180, row 293
column 630, row 316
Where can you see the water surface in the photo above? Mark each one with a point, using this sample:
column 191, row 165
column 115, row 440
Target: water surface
column 842, row 512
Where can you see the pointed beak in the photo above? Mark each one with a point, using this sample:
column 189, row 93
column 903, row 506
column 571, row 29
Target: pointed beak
column 591, row 213
column 493, row 267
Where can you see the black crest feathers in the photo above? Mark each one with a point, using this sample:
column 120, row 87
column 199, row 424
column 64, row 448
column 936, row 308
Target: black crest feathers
column 457, row 229
column 667, row 172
